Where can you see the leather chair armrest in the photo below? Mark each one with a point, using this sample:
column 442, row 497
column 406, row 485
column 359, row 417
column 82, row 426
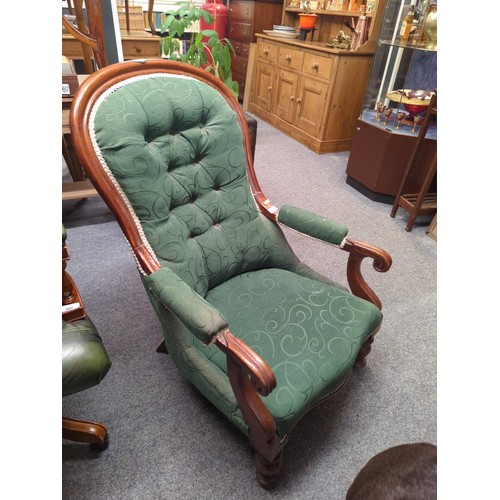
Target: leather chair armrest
column 85, row 360
column 312, row 224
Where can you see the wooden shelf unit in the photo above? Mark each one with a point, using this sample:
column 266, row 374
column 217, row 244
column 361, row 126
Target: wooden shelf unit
column 307, row 90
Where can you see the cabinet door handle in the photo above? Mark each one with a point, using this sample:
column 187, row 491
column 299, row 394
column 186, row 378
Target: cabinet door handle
column 358, row 128
column 231, row 10
column 315, row 65
column 247, row 11
column 288, row 57
column 298, row 100
column 292, row 98
column 269, row 88
column 266, row 51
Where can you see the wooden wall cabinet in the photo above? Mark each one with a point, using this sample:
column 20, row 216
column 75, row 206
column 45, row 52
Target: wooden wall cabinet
column 307, row 90
column 245, row 18
column 377, row 160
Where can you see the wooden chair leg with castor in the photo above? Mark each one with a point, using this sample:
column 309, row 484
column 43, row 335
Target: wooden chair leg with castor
column 83, row 431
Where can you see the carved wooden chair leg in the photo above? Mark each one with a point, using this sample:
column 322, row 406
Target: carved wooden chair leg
column 363, row 352
column 249, row 377
column 268, row 473
column 83, row 431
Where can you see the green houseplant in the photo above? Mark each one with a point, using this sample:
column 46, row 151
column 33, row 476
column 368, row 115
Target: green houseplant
column 204, row 49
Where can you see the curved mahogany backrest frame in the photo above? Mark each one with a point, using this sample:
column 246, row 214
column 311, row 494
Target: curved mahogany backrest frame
column 83, row 102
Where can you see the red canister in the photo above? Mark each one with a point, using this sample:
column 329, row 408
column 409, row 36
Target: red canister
column 219, row 12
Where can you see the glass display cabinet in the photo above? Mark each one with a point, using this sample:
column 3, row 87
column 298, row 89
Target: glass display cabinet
column 402, row 80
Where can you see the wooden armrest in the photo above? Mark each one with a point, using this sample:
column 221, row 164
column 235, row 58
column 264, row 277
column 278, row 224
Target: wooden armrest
column 250, row 376
column 382, row 262
column 247, row 359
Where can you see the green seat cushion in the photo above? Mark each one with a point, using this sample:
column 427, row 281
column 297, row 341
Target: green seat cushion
column 308, row 332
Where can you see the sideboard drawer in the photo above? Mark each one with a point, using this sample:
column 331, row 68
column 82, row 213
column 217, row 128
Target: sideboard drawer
column 290, row 58
column 316, row 65
column 267, row 51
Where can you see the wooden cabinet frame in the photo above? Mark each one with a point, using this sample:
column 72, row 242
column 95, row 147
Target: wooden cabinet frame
column 311, row 94
column 316, row 96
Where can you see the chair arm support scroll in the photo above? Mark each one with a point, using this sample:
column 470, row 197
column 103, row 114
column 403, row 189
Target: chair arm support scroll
column 329, row 231
column 250, row 376
column 312, row 224
column 382, row 262
column 246, row 359
column 204, row 320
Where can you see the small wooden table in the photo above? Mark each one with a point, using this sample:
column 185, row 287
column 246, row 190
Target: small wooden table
column 135, row 45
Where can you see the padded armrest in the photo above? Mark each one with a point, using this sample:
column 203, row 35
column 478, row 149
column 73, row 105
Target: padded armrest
column 312, row 224
column 191, row 308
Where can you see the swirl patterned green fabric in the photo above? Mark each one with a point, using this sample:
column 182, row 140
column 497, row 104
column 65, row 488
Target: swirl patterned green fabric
column 312, row 224
column 308, row 332
column 174, row 146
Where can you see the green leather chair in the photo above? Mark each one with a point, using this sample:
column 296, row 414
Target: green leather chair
column 260, row 334
column 85, row 361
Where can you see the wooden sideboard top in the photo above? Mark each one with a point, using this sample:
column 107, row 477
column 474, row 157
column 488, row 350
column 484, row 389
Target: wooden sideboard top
column 320, row 46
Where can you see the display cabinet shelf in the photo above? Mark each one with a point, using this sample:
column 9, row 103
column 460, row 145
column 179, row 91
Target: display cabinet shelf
column 405, row 45
column 402, row 81
column 326, row 12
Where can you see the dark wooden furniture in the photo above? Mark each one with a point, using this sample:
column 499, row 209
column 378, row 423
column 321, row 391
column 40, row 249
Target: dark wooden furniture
column 378, row 159
column 87, row 41
column 423, row 201
column 72, row 305
column 244, row 377
column 245, row 18
column 80, row 187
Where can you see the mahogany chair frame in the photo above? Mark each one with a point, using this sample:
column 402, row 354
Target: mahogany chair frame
column 249, row 375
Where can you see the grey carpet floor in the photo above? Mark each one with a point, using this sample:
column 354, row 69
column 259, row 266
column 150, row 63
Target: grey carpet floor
column 167, row 442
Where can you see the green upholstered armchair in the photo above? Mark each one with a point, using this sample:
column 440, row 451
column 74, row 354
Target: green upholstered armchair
column 263, row 336
column 85, row 360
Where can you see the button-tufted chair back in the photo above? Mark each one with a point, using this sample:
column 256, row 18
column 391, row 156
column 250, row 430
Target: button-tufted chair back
column 175, row 148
